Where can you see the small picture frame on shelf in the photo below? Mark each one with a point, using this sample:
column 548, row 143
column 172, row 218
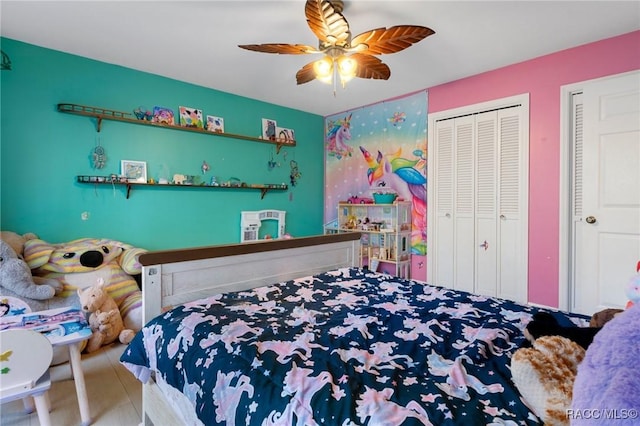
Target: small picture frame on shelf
column 191, row 117
column 134, row 171
column 215, row 124
column 162, row 115
column 269, row 129
column 285, row 135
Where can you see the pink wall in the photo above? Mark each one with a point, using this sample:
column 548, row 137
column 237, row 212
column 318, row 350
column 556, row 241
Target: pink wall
column 542, row 78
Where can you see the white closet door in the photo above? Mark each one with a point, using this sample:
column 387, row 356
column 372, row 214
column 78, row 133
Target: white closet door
column 512, row 220
column 464, row 200
column 479, row 233
column 486, row 243
column 443, row 205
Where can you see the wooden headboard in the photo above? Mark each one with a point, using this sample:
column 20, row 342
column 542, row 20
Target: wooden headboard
column 173, row 277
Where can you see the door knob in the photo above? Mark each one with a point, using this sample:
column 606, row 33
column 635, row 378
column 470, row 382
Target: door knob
column 591, row 219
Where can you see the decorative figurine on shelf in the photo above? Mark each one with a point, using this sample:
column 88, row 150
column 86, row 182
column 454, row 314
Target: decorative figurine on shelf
column 205, row 167
column 143, row 114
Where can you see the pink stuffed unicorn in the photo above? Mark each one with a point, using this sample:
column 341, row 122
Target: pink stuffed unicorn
column 633, row 288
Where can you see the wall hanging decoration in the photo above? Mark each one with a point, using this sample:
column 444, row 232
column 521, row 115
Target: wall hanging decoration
column 380, row 148
column 205, row 167
column 191, row 117
column 295, row 174
column 271, row 164
column 98, row 156
column 162, row 115
column 134, row 171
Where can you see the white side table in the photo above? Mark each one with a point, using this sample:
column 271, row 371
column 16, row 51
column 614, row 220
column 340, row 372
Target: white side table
column 61, row 327
column 25, row 356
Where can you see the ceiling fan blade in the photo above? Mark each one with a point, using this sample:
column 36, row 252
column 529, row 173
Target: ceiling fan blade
column 305, row 74
column 390, row 40
column 371, row 67
column 291, row 49
column 330, row 26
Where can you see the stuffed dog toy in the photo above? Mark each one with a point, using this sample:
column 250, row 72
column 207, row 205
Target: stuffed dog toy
column 79, row 264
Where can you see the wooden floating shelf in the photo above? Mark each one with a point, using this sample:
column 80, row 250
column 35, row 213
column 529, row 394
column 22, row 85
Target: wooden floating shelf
column 101, row 114
column 103, row 180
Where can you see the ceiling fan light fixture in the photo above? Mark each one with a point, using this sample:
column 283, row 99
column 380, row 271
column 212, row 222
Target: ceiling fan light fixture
column 347, row 67
column 323, row 69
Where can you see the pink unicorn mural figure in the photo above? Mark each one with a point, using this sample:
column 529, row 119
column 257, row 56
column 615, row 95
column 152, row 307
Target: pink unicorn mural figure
column 395, row 172
column 338, row 133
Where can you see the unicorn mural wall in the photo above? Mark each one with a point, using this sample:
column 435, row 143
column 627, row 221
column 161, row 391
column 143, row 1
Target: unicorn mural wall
column 381, row 145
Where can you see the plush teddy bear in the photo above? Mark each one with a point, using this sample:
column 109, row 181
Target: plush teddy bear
column 16, row 279
column 545, row 374
column 79, row 264
column 105, row 319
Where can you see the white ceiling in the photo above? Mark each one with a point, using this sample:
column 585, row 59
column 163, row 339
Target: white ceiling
column 196, row 41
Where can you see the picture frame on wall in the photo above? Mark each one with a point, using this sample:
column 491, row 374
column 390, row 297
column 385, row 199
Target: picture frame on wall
column 269, row 129
column 215, row 124
column 191, row 117
column 285, row 135
column 134, row 171
column 162, row 115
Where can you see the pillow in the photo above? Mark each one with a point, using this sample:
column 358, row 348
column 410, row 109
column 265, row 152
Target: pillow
column 544, row 376
column 607, row 387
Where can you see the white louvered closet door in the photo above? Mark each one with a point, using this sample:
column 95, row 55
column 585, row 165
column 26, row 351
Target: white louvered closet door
column 480, row 186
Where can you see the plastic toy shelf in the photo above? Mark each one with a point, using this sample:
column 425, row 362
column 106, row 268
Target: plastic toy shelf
column 99, row 180
column 101, row 114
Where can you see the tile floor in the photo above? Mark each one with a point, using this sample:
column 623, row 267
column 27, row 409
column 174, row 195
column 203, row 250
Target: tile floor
column 115, row 396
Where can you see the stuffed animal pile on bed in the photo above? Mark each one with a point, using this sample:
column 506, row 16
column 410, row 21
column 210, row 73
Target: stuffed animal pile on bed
column 568, row 367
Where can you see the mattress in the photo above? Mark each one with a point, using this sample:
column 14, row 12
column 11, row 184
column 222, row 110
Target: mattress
column 345, row 347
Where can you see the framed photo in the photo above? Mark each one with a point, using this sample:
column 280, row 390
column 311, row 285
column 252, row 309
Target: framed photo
column 191, row 117
column 163, row 115
column 215, row 124
column 134, row 171
column 285, row 135
column 269, row 129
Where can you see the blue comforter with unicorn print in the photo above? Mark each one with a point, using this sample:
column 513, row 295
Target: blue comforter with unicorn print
column 346, row 347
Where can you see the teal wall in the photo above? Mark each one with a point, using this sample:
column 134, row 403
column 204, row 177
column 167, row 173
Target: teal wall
column 42, row 152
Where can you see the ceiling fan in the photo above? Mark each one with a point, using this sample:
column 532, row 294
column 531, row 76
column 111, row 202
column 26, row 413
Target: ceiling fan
column 345, row 56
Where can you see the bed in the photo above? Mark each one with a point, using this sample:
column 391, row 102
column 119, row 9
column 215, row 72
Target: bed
column 295, row 332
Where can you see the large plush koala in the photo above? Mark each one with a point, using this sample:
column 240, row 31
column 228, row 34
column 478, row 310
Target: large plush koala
column 81, row 263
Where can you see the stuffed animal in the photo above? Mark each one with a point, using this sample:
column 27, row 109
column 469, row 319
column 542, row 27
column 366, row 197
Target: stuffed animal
column 105, row 319
column 80, row 263
column 17, row 241
column 633, row 288
column 545, row 324
column 608, row 380
column 16, row 279
column 544, row 375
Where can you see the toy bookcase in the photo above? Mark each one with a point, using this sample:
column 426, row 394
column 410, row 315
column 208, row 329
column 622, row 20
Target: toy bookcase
column 386, row 234
column 252, row 220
